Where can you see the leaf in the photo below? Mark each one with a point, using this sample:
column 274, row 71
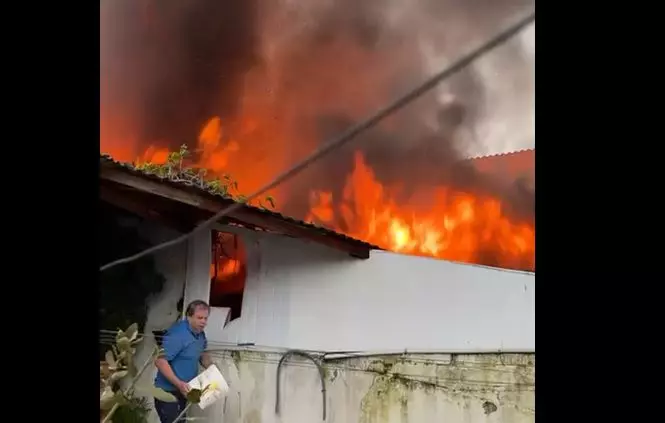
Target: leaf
column 119, row 335
column 132, row 331
column 120, row 398
column 137, row 340
column 110, row 359
column 157, row 352
column 117, row 376
column 107, row 399
column 131, row 368
column 124, row 344
column 160, row 394
column 194, row 396
column 104, row 371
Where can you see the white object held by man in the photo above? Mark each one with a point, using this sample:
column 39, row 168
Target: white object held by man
column 214, row 384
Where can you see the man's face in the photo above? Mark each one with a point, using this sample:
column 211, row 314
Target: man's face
column 199, row 319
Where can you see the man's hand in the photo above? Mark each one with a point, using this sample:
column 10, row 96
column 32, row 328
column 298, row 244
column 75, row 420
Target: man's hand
column 183, row 387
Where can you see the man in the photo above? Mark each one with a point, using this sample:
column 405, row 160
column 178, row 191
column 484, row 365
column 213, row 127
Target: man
column 184, row 347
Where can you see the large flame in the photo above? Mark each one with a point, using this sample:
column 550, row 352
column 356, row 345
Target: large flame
column 456, row 226
column 307, row 74
column 227, row 268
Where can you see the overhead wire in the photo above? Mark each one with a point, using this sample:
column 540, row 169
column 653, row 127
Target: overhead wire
column 346, row 136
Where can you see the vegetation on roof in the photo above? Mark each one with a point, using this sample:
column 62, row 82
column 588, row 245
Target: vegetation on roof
column 176, row 169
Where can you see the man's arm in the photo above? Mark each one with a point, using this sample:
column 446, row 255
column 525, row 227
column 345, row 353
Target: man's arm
column 171, row 345
column 165, row 368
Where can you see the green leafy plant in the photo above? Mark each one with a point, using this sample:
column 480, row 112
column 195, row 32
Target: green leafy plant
column 118, row 365
column 194, row 395
column 176, row 169
column 136, row 410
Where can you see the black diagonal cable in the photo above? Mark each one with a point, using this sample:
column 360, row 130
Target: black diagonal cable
column 346, row 136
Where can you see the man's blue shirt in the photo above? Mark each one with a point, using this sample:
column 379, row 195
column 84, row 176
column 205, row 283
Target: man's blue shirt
column 182, row 349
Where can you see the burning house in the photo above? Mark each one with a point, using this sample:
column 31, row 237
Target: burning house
column 404, row 268
column 275, row 284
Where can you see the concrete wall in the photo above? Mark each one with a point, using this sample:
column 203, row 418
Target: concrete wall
column 398, row 389
column 306, row 296
column 301, row 295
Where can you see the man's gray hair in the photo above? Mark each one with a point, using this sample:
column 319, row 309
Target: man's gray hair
column 191, row 307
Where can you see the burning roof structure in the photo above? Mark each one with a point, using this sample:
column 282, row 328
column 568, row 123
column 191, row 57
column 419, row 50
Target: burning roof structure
column 457, row 234
column 255, row 86
column 182, row 205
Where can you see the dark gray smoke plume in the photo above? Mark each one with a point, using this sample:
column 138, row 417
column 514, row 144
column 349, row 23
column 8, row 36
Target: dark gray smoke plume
column 169, row 65
column 422, row 145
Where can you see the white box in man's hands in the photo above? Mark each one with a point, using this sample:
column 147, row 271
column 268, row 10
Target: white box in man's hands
column 217, row 386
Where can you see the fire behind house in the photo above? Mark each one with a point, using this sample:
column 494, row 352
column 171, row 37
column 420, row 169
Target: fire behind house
column 254, row 86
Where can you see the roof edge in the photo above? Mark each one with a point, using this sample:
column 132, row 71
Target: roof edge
column 509, row 153
column 108, row 161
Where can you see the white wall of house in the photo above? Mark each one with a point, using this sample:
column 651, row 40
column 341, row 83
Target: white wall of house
column 302, row 295
column 403, row 389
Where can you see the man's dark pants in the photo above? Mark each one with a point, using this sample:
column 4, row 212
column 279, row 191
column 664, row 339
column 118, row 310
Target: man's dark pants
column 168, row 411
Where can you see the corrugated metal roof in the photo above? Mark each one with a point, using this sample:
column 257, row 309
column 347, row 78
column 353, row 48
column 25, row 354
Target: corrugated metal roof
column 188, row 186
column 511, row 165
column 507, row 153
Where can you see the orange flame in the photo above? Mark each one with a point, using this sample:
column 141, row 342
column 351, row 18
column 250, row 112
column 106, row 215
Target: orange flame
column 225, row 269
column 456, row 226
column 282, row 100
column 155, row 155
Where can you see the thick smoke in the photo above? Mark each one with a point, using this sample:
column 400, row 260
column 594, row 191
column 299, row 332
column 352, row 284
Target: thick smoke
column 356, row 56
column 167, row 66
column 321, row 65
